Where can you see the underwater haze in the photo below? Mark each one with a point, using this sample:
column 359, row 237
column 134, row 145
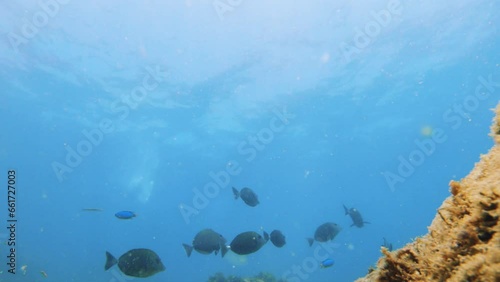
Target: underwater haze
column 161, row 107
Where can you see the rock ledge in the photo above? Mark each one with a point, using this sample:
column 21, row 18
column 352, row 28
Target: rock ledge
column 463, row 242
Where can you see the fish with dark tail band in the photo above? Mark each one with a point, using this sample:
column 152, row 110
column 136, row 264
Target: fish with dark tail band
column 357, row 219
column 206, row 242
column 247, row 195
column 248, row 242
column 136, row 263
column 277, row 238
column 325, row 232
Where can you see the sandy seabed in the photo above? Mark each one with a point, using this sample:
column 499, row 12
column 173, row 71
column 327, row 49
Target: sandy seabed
column 463, row 242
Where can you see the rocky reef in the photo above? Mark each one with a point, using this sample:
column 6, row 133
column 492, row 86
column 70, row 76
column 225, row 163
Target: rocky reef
column 463, row 242
column 261, row 277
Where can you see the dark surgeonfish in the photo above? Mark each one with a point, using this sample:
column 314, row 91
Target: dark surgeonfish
column 248, row 242
column 357, row 219
column 387, row 245
column 247, row 195
column 277, row 238
column 206, row 242
column 136, row 263
column 125, row 215
column 325, row 232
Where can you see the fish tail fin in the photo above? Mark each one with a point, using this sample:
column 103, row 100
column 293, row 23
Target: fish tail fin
column 366, row 222
column 188, row 249
column 110, row 261
column 236, row 193
column 266, row 236
column 223, row 250
column 310, row 241
column 346, row 210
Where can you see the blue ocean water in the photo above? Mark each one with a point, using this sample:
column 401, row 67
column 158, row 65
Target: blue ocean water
column 160, row 107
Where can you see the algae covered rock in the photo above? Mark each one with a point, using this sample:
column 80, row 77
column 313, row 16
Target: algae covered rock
column 463, row 242
column 261, row 277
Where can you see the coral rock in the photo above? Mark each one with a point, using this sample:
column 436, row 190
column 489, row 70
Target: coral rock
column 463, row 242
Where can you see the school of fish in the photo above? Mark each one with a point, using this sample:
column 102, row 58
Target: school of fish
column 143, row 263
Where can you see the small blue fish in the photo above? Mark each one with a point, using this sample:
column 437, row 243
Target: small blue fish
column 125, row 214
column 327, row 263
